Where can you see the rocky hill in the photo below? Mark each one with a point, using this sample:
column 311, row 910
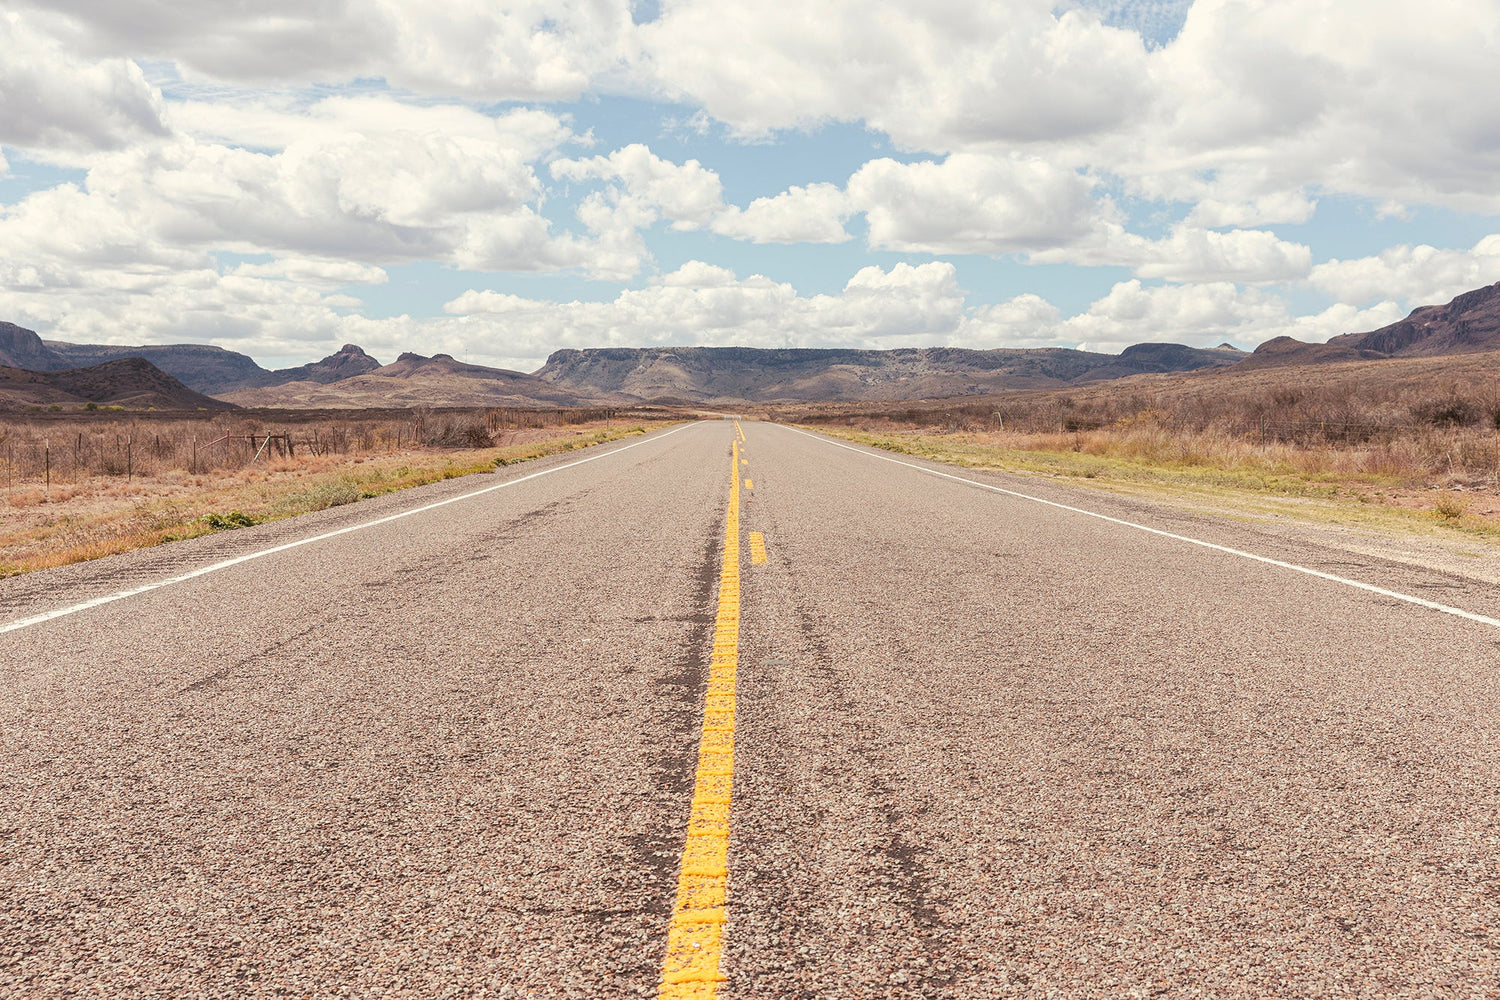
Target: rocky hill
column 1468, row 324
column 414, row 380
column 730, row 374
column 205, row 369
column 346, row 362
column 22, row 348
column 133, row 383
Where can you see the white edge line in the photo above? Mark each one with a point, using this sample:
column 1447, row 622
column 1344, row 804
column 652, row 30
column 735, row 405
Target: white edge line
column 120, row 595
column 1396, row 595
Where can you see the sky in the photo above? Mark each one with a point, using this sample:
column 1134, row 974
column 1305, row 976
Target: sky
column 497, row 181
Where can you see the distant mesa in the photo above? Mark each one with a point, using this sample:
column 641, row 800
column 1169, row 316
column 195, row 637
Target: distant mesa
column 743, row 374
column 205, row 369
column 728, row 375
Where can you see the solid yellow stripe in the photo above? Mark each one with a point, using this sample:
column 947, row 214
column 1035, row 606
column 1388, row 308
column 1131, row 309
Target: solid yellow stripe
column 695, row 937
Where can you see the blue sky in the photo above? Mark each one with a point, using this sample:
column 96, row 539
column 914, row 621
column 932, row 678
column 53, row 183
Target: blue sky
column 500, row 181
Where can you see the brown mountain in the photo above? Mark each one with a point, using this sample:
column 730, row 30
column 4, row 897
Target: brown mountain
column 346, row 362
column 206, row 369
column 414, row 380
column 201, row 367
column 744, row 374
column 1468, row 324
column 133, row 383
column 22, row 348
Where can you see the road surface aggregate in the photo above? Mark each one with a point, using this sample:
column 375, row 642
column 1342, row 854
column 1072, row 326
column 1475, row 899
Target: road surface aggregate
column 984, row 748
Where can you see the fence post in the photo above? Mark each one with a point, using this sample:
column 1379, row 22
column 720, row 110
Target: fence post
column 47, row 457
column 193, row 469
column 129, row 460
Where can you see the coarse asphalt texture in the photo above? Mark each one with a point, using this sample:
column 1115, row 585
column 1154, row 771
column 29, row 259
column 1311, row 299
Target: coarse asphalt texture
column 984, row 747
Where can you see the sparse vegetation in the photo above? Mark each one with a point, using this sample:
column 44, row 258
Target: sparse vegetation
column 85, row 514
column 234, row 519
column 75, row 446
column 1419, row 434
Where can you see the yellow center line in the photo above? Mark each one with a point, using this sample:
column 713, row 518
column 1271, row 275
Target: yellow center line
column 695, row 937
column 749, row 485
column 757, row 548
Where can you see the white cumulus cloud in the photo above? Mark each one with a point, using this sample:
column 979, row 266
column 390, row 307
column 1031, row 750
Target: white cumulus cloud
column 811, row 214
column 520, row 50
column 648, row 186
column 55, row 102
column 933, row 76
column 1420, row 274
column 972, row 203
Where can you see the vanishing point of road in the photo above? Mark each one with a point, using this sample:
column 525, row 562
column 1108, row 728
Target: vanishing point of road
column 737, row 710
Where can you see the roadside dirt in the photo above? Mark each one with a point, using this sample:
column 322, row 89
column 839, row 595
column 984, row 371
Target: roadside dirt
column 104, row 515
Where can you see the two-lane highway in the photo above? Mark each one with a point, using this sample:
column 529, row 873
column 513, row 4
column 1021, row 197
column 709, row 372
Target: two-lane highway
column 936, row 740
column 447, row 755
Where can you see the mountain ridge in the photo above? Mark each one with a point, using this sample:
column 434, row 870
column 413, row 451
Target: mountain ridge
column 416, row 380
column 133, row 383
column 749, row 374
column 1467, row 324
column 1470, row 322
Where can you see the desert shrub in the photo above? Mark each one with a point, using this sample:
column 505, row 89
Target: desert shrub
column 234, row 519
column 1450, row 507
column 325, row 495
column 456, row 432
column 1450, row 410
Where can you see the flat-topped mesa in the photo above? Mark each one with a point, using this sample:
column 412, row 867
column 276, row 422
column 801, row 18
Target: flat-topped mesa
column 749, row 374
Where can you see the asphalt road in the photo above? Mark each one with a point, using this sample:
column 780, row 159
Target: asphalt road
column 982, row 746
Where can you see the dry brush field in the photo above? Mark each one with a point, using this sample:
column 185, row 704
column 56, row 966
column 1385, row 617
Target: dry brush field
column 83, row 484
column 1419, row 435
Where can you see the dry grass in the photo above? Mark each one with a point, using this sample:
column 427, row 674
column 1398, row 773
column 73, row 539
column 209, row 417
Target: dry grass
column 1284, row 490
column 101, row 515
column 77, row 446
column 1420, row 437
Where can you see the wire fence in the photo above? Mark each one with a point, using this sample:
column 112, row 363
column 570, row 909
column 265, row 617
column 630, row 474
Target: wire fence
column 43, row 453
column 1432, row 439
